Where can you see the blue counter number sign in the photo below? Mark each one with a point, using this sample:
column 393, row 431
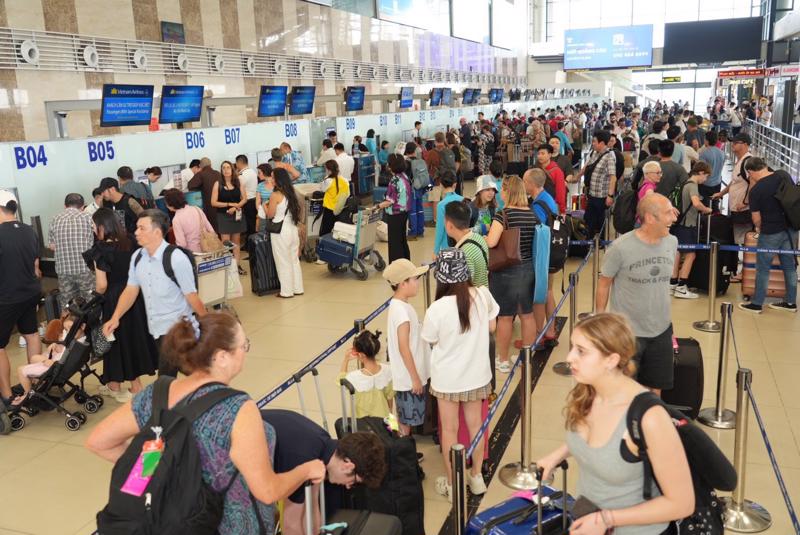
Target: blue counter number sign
column 30, row 156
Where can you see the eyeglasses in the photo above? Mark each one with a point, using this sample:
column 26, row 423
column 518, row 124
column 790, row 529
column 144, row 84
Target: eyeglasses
column 655, row 173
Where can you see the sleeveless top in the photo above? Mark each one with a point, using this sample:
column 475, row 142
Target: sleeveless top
column 213, row 434
column 228, row 195
column 282, row 213
column 609, row 480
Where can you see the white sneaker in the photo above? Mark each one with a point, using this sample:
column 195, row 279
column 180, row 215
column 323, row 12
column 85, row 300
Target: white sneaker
column 122, row 397
column 23, row 342
column 682, row 292
column 105, row 391
column 444, row 488
column 503, row 366
column 672, row 288
column 320, row 262
column 476, row 484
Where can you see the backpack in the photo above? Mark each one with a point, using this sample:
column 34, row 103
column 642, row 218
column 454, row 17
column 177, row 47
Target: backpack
column 421, row 179
column 710, row 469
column 466, row 159
column 676, row 198
column 350, row 209
column 628, row 144
column 788, row 195
column 175, row 500
column 559, row 238
column 549, row 184
column 447, row 161
column 625, row 210
column 166, row 262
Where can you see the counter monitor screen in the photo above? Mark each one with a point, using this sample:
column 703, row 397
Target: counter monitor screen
column 447, row 96
column 476, row 96
column 406, row 97
column 354, row 98
column 272, row 101
column 302, row 101
column 436, row 96
column 126, row 105
column 467, row 96
column 180, row 104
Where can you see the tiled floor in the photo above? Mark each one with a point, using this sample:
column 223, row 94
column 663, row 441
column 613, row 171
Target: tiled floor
column 50, row 485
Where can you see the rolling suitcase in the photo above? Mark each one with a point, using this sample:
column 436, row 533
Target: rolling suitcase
column 776, row 286
column 52, row 308
column 718, row 228
column 263, row 273
column 463, row 430
column 334, row 252
column 400, row 494
column 545, row 513
column 687, row 391
column 349, row 521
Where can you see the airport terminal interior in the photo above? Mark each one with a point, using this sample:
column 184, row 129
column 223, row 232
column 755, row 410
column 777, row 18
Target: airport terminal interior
column 108, row 98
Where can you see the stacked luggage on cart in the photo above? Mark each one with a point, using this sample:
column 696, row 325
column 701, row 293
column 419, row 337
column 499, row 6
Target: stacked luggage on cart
column 352, row 246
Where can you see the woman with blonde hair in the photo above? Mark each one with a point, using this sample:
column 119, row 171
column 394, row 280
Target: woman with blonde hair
column 512, row 287
column 611, row 472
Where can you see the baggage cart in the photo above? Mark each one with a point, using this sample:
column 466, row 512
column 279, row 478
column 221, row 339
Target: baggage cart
column 212, row 276
column 313, row 218
column 342, row 255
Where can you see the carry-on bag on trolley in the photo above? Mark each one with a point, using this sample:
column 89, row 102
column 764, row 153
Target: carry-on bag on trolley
column 776, row 286
column 263, row 272
column 686, row 394
column 546, row 513
column 348, row 521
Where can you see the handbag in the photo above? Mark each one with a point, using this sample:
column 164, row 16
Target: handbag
column 209, row 241
column 272, row 227
column 506, row 253
column 100, row 343
column 745, row 217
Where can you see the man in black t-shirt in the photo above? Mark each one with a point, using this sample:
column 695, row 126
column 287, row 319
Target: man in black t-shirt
column 122, row 203
column 773, row 233
column 356, row 458
column 20, row 290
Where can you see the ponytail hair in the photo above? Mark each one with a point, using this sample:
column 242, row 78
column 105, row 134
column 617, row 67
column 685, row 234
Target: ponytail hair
column 368, row 343
column 192, row 350
column 610, row 334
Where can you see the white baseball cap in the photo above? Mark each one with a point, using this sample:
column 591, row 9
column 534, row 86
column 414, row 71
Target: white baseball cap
column 5, row 198
column 485, row 182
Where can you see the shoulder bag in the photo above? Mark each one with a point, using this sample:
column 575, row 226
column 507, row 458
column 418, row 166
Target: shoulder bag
column 209, row 241
column 506, row 253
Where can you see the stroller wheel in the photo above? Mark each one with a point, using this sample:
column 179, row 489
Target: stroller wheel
column 80, row 398
column 91, row 406
column 80, row 416
column 17, row 422
column 98, row 400
column 72, row 423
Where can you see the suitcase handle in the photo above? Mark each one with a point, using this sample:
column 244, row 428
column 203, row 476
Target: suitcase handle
column 298, row 377
column 309, row 509
column 348, row 386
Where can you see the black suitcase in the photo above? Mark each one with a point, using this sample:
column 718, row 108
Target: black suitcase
column 357, row 522
column 52, row 308
column 687, row 391
column 263, row 273
column 718, row 228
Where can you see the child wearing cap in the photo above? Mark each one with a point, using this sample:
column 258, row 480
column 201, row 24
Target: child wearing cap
column 408, row 357
column 458, row 325
column 484, row 205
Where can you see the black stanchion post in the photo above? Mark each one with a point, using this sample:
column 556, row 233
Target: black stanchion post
column 458, row 464
column 426, row 288
column 562, row 368
column 742, row 515
column 718, row 416
column 595, row 275
column 522, row 475
column 711, row 325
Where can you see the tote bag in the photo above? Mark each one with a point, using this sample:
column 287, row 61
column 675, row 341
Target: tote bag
column 506, row 254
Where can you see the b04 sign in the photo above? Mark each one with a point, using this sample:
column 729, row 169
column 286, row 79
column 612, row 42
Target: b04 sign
column 30, row 156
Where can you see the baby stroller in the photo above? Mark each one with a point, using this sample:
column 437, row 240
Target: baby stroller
column 56, row 386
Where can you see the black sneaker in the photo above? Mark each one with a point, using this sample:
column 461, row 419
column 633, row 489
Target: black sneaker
column 783, row 305
column 420, row 456
column 750, row 307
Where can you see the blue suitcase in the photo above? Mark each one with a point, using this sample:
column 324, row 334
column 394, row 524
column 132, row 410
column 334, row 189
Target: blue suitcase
column 378, row 194
column 333, row 252
column 519, row 516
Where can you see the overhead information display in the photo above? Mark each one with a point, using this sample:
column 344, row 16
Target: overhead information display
column 609, row 48
column 126, row 105
column 180, row 104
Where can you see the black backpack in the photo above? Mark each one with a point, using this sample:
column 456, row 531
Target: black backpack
column 625, row 210
column 166, row 262
column 176, row 499
column 559, row 238
column 788, row 195
column 350, row 209
column 710, row 469
column 549, row 184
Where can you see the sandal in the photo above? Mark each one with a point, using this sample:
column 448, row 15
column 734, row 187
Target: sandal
column 242, row 271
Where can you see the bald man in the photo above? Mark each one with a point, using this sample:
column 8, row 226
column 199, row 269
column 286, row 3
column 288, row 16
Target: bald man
column 635, row 274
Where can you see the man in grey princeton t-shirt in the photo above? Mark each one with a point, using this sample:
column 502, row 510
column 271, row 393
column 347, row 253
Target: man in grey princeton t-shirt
column 635, row 275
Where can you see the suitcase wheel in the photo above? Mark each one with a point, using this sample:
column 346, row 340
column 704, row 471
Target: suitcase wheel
column 360, row 269
column 337, row 269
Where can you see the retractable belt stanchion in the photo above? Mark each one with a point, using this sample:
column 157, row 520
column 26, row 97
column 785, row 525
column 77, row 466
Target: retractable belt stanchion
column 718, row 416
column 426, row 288
column 562, row 368
column 711, row 325
column 595, row 275
column 458, row 464
column 742, row 515
column 522, row 475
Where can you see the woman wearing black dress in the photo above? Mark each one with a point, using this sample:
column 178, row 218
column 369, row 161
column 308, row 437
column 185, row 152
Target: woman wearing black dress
column 134, row 353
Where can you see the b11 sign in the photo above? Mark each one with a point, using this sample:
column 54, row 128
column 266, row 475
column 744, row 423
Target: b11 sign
column 609, row 48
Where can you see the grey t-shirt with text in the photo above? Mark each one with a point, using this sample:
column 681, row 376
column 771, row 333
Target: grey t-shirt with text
column 641, row 274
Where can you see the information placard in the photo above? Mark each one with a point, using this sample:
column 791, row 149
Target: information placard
column 302, row 100
column 607, row 48
column 126, row 105
column 272, row 101
column 180, row 104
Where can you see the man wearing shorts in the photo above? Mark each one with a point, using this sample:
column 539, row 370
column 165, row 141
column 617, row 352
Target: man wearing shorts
column 21, row 288
column 635, row 275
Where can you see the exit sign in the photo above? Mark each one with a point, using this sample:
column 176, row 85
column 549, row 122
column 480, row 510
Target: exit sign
column 670, row 79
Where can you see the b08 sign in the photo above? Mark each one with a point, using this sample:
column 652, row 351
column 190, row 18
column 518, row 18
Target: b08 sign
column 100, row 150
column 290, row 129
column 30, row 156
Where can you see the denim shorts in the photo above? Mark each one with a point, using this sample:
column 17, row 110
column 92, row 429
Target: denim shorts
column 512, row 288
column 411, row 407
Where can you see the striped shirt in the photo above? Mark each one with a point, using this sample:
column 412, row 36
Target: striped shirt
column 523, row 219
column 71, row 234
column 477, row 258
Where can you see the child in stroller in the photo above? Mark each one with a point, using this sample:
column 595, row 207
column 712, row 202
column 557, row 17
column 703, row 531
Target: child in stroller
column 54, row 387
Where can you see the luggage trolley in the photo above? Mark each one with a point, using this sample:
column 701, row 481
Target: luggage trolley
column 313, row 213
column 341, row 255
column 212, row 276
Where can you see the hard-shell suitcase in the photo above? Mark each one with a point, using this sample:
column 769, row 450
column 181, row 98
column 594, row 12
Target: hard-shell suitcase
column 718, row 228
column 349, row 521
column 263, row 273
column 776, row 286
column 333, row 252
column 52, row 307
column 544, row 514
column 686, row 394
column 400, row 493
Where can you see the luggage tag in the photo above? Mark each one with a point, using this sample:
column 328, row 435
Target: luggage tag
column 145, row 466
column 391, row 422
column 556, row 224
